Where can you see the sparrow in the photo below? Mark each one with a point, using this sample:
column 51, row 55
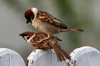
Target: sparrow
column 46, row 23
column 52, row 43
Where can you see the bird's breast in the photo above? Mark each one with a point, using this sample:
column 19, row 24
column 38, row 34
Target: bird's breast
column 35, row 23
column 45, row 27
column 42, row 26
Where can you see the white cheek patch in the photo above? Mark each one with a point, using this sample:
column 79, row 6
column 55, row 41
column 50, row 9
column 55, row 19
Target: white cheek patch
column 25, row 38
column 31, row 38
column 35, row 11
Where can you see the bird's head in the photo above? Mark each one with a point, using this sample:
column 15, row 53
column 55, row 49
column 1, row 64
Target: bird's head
column 30, row 14
column 27, row 35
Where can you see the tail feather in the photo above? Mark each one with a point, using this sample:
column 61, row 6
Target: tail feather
column 60, row 53
column 72, row 29
column 65, row 54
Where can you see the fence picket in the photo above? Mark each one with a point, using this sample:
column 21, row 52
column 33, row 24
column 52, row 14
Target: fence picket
column 44, row 58
column 9, row 57
column 85, row 56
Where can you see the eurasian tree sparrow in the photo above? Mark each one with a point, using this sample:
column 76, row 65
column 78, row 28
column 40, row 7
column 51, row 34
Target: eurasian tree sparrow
column 52, row 43
column 46, row 23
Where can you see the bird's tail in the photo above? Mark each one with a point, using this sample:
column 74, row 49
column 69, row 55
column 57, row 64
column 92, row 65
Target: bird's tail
column 60, row 53
column 72, row 29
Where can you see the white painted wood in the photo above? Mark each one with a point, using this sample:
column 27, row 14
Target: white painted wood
column 85, row 56
column 41, row 57
column 9, row 57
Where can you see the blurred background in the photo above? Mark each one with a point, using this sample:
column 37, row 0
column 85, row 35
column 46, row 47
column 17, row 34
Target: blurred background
column 83, row 14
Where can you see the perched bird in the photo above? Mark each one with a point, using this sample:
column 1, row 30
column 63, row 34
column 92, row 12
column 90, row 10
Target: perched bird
column 52, row 43
column 46, row 23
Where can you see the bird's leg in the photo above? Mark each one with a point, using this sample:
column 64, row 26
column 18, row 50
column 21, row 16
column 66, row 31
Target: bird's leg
column 48, row 37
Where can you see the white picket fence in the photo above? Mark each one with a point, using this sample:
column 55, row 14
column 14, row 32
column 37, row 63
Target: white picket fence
column 83, row 56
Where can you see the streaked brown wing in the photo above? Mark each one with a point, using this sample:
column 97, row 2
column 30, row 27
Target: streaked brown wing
column 46, row 17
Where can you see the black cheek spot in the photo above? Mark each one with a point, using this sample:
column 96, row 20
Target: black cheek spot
column 28, row 37
column 32, row 17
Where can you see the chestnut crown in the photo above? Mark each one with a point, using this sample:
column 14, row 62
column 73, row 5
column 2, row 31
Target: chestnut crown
column 26, row 35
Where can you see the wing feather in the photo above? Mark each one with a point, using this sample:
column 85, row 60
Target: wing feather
column 48, row 18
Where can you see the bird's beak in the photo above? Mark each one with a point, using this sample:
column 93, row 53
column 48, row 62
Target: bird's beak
column 21, row 35
column 27, row 22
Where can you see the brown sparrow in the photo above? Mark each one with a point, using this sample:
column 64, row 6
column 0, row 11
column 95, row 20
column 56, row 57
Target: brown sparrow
column 46, row 23
column 52, row 43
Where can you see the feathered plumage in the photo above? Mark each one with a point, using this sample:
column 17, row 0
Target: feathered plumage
column 52, row 43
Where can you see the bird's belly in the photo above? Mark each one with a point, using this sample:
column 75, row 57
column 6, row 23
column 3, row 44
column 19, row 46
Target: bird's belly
column 45, row 27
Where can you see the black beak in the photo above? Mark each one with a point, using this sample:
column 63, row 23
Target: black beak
column 27, row 22
column 21, row 35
